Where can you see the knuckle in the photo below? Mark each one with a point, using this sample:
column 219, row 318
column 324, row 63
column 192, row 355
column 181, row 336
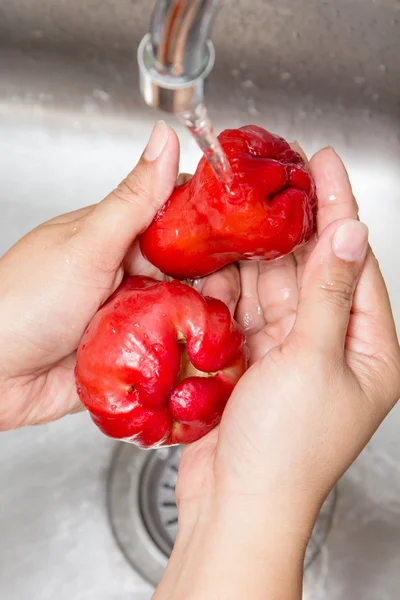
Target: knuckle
column 134, row 190
column 226, row 285
column 87, row 256
column 231, row 279
column 394, row 369
column 338, row 293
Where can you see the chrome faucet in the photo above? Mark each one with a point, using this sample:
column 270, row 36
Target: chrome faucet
column 176, row 56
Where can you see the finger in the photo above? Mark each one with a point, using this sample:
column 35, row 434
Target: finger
column 278, row 293
column 372, row 330
column 302, row 255
column 328, row 285
column 224, row 285
column 136, row 264
column 335, row 196
column 116, row 221
column 249, row 313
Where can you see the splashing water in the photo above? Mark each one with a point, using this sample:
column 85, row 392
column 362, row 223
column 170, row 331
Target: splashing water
column 198, row 123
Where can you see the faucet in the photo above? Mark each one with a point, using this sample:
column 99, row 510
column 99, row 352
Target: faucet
column 176, row 56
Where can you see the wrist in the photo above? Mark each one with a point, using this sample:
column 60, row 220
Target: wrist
column 236, row 549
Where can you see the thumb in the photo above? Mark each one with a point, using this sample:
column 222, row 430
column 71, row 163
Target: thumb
column 328, row 283
column 114, row 223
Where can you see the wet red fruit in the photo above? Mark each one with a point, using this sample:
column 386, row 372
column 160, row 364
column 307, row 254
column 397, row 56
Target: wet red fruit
column 158, row 363
column 202, row 227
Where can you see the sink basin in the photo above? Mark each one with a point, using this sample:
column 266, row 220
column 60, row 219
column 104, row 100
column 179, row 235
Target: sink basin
column 72, row 124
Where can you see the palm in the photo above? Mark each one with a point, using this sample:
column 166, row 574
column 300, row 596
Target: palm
column 45, row 388
column 268, row 304
column 266, row 310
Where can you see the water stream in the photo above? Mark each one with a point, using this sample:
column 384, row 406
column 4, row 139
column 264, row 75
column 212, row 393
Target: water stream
column 198, row 123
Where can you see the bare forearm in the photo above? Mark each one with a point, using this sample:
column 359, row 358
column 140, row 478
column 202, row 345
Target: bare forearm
column 236, row 556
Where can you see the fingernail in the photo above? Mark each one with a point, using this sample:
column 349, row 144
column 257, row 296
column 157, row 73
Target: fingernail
column 297, row 148
column 350, row 240
column 157, row 141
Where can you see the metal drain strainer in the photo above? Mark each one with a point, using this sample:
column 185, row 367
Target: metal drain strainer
column 143, row 512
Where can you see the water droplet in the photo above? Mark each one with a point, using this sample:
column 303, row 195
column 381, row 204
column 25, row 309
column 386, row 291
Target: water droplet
column 252, row 109
column 359, row 80
column 101, row 95
column 247, row 321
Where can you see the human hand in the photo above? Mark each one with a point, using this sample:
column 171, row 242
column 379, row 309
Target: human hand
column 325, row 355
column 325, row 372
column 54, row 279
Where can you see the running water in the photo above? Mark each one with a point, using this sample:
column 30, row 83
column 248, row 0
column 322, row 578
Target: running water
column 200, row 126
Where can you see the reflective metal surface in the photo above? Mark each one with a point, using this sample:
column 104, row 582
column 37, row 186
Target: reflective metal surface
column 176, row 56
column 179, row 33
column 72, row 123
column 171, row 93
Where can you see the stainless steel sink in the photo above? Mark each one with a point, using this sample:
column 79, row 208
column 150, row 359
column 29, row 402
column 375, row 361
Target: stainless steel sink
column 72, row 123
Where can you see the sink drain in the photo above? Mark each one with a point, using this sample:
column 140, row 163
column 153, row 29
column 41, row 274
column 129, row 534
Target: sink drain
column 143, row 512
column 157, row 498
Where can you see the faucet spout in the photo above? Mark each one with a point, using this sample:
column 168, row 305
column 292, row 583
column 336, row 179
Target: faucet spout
column 176, row 55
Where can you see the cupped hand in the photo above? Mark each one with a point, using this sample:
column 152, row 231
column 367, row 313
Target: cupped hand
column 54, row 280
column 325, row 371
